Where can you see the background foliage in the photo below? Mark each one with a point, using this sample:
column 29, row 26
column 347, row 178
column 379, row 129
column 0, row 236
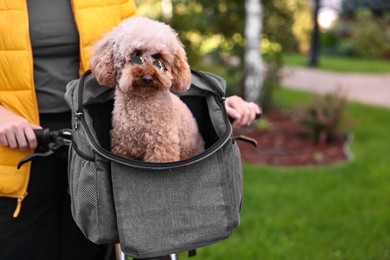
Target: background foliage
column 362, row 34
column 213, row 33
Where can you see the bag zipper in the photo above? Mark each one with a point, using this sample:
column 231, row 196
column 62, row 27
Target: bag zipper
column 156, row 166
column 79, row 118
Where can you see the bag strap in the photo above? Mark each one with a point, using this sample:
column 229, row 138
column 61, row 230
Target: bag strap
column 81, row 91
column 79, row 108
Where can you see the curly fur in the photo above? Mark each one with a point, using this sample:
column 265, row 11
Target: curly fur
column 149, row 122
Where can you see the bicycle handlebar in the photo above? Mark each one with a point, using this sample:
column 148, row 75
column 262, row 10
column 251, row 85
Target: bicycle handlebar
column 48, row 141
column 52, row 140
column 46, row 136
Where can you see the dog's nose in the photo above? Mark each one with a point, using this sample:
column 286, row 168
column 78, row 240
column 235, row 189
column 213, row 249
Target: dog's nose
column 147, row 80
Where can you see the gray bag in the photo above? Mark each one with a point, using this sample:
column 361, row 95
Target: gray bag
column 153, row 209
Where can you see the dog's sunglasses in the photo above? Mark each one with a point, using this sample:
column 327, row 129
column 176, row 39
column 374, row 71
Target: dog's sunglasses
column 138, row 60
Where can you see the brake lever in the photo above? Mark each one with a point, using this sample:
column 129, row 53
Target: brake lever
column 53, row 147
column 32, row 156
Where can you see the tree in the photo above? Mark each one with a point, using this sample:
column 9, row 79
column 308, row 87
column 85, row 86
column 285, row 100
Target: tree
column 253, row 60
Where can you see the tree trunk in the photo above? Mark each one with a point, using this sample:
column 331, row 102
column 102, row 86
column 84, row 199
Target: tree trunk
column 253, row 60
column 314, row 44
column 166, row 6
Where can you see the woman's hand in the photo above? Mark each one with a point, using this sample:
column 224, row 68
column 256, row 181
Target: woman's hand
column 242, row 112
column 15, row 131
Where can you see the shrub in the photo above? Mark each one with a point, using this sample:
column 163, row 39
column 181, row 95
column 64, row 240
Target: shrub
column 323, row 118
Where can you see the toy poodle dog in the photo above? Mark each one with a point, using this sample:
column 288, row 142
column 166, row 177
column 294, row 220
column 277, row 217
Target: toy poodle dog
column 144, row 60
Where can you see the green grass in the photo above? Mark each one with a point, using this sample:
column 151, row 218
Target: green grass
column 330, row 212
column 341, row 64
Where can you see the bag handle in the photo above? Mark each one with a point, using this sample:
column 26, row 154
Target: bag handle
column 88, row 72
column 210, row 82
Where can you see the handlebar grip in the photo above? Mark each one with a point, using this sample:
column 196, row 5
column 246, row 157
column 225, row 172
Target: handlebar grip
column 43, row 136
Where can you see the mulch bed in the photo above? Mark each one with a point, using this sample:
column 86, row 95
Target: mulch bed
column 285, row 145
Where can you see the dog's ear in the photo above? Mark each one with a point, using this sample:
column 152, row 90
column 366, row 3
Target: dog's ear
column 102, row 62
column 180, row 71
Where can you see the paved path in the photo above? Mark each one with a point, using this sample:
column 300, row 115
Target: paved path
column 371, row 89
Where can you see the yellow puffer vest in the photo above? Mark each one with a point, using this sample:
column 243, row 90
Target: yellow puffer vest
column 93, row 19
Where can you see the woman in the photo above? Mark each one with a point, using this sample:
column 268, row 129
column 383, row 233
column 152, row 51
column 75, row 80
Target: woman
column 43, row 46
